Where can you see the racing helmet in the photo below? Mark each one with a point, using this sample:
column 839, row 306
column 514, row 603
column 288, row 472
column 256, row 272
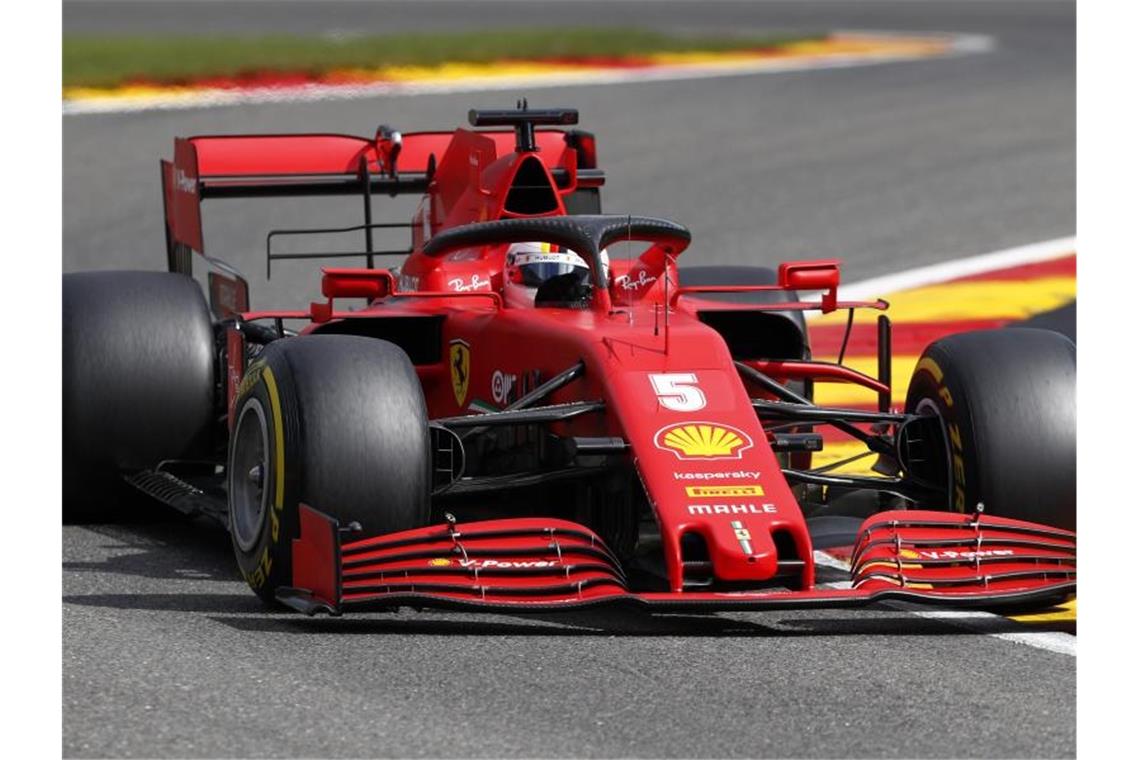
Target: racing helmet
column 532, row 264
column 548, row 275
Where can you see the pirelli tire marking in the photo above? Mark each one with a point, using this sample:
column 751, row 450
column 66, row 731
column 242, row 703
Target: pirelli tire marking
column 953, row 433
column 252, row 375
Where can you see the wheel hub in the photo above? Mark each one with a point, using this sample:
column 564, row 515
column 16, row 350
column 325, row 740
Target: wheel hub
column 249, row 463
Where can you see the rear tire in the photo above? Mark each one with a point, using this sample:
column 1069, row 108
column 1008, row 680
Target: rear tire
column 337, row 422
column 1008, row 401
column 138, row 382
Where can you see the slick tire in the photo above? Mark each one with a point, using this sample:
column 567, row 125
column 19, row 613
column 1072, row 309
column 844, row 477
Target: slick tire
column 336, row 422
column 138, row 383
column 1007, row 400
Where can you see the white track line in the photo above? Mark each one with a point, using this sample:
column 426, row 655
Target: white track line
column 964, row 267
column 959, row 44
column 826, row 560
column 985, row 622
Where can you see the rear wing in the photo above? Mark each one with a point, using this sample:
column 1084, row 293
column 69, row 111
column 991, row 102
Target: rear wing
column 290, row 165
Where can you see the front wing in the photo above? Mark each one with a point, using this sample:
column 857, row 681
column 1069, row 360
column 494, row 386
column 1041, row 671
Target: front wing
column 521, row 564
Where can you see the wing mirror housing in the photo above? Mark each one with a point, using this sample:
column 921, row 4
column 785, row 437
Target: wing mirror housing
column 351, row 283
column 356, row 283
column 812, row 275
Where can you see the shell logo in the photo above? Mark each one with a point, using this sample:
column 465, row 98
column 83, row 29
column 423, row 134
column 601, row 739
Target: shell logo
column 439, row 562
column 703, row 440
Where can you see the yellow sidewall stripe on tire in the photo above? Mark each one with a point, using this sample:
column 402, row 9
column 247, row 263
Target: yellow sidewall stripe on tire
column 278, row 438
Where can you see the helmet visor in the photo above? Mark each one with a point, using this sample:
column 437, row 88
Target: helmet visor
column 535, row 268
column 534, row 275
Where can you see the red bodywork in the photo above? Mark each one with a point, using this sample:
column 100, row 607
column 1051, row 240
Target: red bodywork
column 669, row 384
column 918, row 556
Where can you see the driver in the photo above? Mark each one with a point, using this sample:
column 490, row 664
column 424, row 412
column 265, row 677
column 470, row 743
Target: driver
column 545, row 275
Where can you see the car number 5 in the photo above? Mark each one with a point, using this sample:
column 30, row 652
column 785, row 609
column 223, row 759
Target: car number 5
column 678, row 391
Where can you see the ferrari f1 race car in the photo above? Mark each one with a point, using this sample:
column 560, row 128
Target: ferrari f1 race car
column 517, row 417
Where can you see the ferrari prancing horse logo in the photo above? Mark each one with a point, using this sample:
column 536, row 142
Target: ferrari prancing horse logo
column 459, row 357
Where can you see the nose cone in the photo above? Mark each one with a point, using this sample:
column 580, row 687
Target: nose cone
column 740, row 549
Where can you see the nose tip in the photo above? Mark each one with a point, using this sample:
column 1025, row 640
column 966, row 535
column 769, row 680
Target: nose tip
column 741, row 552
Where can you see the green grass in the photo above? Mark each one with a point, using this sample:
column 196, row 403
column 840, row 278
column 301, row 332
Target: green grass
column 110, row 61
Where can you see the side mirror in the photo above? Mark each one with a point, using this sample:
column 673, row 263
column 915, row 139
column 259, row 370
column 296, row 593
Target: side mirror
column 356, row 283
column 350, row 283
column 812, row 275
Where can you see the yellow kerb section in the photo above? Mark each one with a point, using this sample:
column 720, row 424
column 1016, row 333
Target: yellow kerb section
column 961, row 301
column 838, row 46
column 1064, row 613
column 846, row 394
column 1013, row 300
column 838, row 451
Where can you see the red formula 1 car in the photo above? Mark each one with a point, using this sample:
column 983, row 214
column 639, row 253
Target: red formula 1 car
column 518, row 417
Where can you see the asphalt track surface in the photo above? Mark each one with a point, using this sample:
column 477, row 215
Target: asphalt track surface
column 893, row 166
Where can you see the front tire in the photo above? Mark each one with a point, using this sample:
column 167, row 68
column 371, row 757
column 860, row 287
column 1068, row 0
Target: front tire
column 1007, row 399
column 337, row 422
